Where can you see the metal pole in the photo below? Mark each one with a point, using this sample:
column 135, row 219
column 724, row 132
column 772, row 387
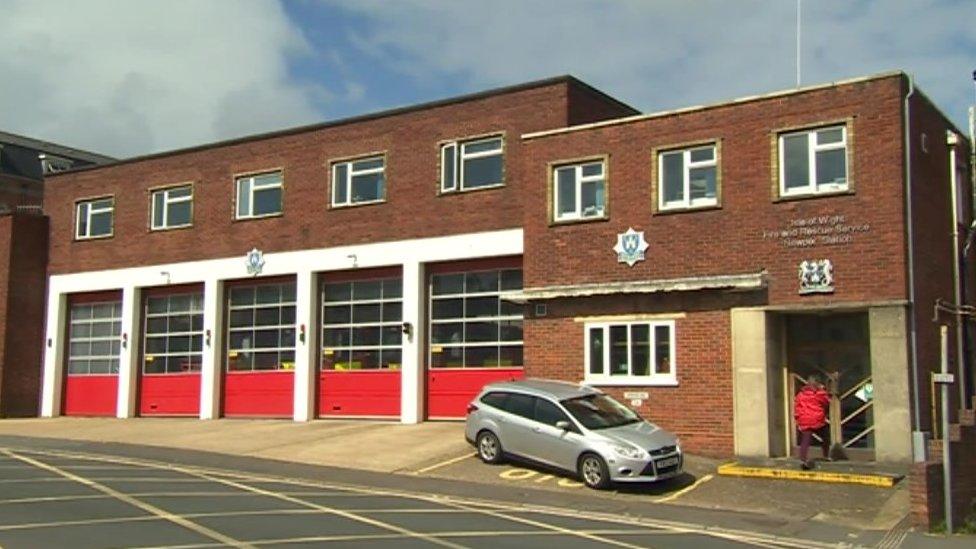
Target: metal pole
column 946, row 457
column 953, row 140
column 798, row 6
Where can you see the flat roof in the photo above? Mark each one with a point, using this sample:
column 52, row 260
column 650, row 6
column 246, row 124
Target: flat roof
column 566, row 78
column 53, row 148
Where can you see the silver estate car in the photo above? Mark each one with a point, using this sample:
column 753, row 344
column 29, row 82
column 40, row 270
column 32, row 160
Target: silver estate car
column 571, row 427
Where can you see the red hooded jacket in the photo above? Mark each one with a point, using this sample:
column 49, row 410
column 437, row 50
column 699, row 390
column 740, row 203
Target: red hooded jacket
column 810, row 408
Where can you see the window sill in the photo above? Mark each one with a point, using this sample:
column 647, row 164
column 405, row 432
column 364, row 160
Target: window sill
column 813, row 195
column 687, row 209
column 89, row 238
column 630, row 382
column 474, row 190
column 176, row 227
column 356, row 204
column 265, row 216
column 574, row 221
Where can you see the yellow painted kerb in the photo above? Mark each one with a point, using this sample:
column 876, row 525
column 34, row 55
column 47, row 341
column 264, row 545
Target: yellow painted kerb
column 735, row 470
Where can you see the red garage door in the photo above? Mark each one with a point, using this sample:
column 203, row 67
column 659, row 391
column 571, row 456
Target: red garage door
column 362, row 342
column 475, row 336
column 260, row 349
column 172, row 353
column 92, row 373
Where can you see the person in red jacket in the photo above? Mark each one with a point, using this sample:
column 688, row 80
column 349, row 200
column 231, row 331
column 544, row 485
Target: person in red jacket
column 810, row 411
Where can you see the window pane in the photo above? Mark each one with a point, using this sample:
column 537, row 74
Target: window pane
column 596, row 351
column 178, row 214
column 266, row 339
column 702, row 155
column 618, row 351
column 81, row 312
column 392, row 312
column 447, row 308
column 366, row 336
column 101, row 224
column 673, row 177
column 337, row 337
column 267, row 201
column 178, row 344
column 797, row 163
column 830, row 135
column 591, row 198
column 702, row 183
column 483, row 146
column 447, row 167
column 269, row 294
column 480, row 332
column 391, row 359
column 243, row 197
column 510, row 355
column 339, row 182
column 548, row 413
column 446, row 333
column 179, row 323
column 481, row 306
column 103, row 311
column 288, row 315
column 593, row 169
column 481, row 282
column 367, row 289
column 180, row 192
column 267, row 179
column 80, row 330
column 448, row 284
column 100, row 366
column 266, row 361
column 156, row 325
column 640, row 350
column 179, row 303
column 481, row 357
column 338, row 314
column 832, row 167
column 338, row 292
column 366, row 313
column 82, row 229
column 510, row 330
column 158, row 220
column 363, row 359
column 482, row 172
column 241, row 318
column 520, row 405
column 367, row 187
column 77, row 366
column 392, row 288
column 242, row 296
column 392, row 335
column 662, row 349
column 267, row 316
column 368, row 164
column 565, row 191
column 512, row 279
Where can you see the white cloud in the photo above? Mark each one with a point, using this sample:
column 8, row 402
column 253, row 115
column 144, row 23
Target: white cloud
column 130, row 77
column 664, row 54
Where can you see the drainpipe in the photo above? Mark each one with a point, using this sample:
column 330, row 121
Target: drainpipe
column 918, row 440
column 953, row 140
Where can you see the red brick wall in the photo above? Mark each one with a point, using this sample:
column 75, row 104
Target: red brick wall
column 731, row 239
column 589, row 105
column 23, row 259
column 413, row 208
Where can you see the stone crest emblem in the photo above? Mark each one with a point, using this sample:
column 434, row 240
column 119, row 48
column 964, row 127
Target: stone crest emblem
column 254, row 260
column 630, row 247
column 816, row 276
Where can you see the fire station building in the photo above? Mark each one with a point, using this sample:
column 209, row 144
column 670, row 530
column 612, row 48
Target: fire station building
column 695, row 263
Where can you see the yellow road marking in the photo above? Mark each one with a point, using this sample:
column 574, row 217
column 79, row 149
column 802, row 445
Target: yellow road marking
column 202, row 530
column 735, row 470
column 444, row 463
column 685, row 490
column 45, row 499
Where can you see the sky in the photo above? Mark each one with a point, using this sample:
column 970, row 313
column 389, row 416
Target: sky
column 131, row 77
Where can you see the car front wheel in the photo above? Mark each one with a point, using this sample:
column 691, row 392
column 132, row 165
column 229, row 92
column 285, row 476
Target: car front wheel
column 489, row 447
column 594, row 472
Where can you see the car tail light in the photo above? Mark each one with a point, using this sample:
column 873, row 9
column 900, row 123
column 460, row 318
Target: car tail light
column 472, row 408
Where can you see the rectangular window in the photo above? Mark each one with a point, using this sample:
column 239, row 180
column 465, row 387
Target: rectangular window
column 261, row 327
column 633, row 353
column 359, row 181
column 172, row 208
column 579, row 191
column 94, row 338
column 94, row 218
column 259, row 195
column 472, row 164
column 173, row 341
column 362, row 324
column 813, row 161
column 688, row 178
column 470, row 325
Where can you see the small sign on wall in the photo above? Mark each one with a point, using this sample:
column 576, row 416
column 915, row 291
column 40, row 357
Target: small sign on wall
column 816, row 276
column 636, row 395
column 630, row 247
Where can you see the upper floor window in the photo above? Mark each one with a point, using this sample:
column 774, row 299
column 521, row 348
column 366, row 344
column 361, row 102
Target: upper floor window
column 688, row 178
column 813, row 161
column 172, row 207
column 259, row 195
column 579, row 191
column 94, row 218
column 359, row 181
column 471, row 164
column 630, row 353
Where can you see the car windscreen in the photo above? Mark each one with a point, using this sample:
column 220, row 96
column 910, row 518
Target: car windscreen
column 600, row 412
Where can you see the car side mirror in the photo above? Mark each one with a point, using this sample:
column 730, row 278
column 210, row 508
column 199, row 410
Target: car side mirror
column 563, row 424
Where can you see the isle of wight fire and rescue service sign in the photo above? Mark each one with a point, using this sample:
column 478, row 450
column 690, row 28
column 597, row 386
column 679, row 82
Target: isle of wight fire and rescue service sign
column 630, row 247
column 254, row 261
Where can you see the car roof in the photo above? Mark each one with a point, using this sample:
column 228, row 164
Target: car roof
column 551, row 388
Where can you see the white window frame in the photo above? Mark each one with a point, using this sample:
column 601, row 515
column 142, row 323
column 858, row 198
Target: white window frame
column 166, row 203
column 577, row 214
column 686, row 202
column 653, row 379
column 812, row 149
column 458, row 150
column 350, row 173
column 254, row 187
column 88, row 217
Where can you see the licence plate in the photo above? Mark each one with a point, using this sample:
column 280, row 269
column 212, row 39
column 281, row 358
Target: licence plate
column 667, row 462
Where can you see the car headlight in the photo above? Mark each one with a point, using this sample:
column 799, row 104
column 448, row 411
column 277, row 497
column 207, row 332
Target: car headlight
column 627, row 451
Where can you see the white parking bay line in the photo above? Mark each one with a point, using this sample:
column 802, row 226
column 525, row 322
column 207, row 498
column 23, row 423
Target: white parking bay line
column 444, row 463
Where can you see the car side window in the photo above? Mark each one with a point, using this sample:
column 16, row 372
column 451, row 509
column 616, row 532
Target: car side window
column 520, row 405
column 548, row 413
column 495, row 400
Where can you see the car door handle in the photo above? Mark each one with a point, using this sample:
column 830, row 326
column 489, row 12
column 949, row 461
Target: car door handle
column 537, row 429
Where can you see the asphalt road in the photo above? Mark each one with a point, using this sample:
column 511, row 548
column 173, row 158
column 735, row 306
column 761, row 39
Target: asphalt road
column 58, row 498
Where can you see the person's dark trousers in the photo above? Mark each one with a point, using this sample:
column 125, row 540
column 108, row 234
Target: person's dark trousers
column 807, row 436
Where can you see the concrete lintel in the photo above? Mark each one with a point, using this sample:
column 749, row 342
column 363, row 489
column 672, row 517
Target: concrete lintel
column 750, row 281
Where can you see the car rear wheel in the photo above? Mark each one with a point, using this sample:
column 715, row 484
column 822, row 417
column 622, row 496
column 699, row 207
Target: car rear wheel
column 489, row 447
column 594, row 472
